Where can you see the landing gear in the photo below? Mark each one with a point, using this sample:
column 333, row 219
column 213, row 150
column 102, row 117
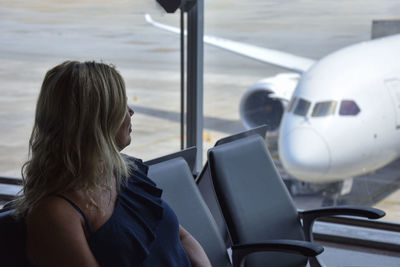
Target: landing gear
column 333, row 194
column 298, row 188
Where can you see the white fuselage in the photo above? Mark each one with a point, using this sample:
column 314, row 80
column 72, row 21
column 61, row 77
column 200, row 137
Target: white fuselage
column 348, row 119
column 335, row 147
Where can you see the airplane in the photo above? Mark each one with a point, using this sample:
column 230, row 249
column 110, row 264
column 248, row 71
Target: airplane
column 336, row 118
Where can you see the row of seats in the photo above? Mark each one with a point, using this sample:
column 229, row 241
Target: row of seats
column 245, row 207
column 257, row 209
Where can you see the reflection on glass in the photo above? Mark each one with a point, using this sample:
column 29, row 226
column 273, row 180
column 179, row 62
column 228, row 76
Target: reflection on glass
column 325, row 108
column 348, row 108
column 302, row 107
column 291, row 104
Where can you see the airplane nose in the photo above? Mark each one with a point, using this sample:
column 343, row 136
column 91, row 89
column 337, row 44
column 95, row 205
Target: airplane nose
column 304, row 154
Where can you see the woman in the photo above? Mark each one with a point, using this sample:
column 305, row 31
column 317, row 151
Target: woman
column 84, row 203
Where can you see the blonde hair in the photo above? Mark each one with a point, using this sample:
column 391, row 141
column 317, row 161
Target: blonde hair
column 73, row 145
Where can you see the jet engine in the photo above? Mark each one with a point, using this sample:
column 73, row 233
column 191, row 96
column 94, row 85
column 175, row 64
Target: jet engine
column 266, row 100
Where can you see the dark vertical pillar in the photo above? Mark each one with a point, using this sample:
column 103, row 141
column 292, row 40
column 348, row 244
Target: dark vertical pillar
column 194, row 99
column 182, row 44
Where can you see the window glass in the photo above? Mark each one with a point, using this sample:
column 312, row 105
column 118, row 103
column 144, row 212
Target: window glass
column 37, row 35
column 348, row 108
column 228, row 76
column 325, row 108
column 291, row 104
column 302, row 107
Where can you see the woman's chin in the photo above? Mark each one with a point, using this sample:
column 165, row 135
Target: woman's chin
column 123, row 145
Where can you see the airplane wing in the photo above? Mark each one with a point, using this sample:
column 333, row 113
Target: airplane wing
column 270, row 56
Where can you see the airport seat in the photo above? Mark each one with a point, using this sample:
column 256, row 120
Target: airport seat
column 257, row 206
column 12, row 240
column 204, row 182
column 188, row 154
column 182, row 194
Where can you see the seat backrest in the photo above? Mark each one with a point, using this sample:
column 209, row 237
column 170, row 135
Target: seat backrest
column 254, row 200
column 12, row 240
column 205, row 185
column 188, row 154
column 260, row 130
column 181, row 193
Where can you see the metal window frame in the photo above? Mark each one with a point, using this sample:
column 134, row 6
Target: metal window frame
column 194, row 99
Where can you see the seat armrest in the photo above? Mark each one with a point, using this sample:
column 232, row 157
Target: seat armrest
column 309, row 216
column 308, row 249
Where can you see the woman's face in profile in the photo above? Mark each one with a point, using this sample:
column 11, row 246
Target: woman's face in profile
column 123, row 137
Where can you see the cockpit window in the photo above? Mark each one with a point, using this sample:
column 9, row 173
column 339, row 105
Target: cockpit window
column 325, row 108
column 348, row 108
column 302, row 107
column 291, row 104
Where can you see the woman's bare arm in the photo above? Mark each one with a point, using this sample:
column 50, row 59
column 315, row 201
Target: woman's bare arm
column 56, row 237
column 196, row 253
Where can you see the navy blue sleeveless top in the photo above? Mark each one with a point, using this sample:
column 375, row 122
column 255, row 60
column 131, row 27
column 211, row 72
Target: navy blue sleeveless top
column 142, row 231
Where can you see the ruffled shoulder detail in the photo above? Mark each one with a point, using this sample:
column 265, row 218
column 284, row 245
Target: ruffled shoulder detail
column 127, row 237
column 140, row 203
column 136, row 164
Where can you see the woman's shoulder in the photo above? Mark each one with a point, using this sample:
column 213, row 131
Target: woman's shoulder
column 54, row 233
column 51, row 210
